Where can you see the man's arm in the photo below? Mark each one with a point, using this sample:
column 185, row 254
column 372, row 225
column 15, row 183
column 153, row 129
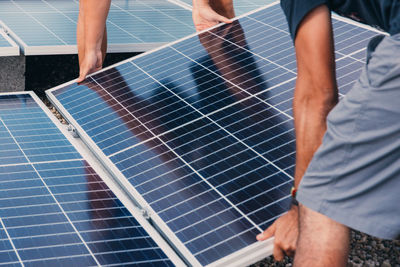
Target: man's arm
column 315, row 95
column 92, row 35
column 316, row 90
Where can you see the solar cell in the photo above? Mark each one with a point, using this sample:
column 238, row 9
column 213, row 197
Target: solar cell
column 201, row 133
column 7, row 46
column 49, row 26
column 55, row 209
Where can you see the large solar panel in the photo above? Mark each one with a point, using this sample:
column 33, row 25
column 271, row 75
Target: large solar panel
column 7, row 46
column 200, row 132
column 49, row 26
column 55, row 208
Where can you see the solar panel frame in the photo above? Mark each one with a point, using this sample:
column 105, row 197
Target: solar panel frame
column 80, row 147
column 130, row 42
column 8, row 46
column 245, row 256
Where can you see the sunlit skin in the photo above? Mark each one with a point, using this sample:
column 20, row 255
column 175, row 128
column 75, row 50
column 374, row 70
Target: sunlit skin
column 92, row 35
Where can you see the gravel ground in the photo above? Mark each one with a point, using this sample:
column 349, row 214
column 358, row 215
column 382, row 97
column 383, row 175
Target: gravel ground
column 366, row 251
column 44, row 72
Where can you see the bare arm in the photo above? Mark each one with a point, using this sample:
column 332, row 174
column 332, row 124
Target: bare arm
column 316, row 90
column 92, row 35
column 315, row 95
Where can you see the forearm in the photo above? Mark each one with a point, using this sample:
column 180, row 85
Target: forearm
column 316, row 89
column 95, row 16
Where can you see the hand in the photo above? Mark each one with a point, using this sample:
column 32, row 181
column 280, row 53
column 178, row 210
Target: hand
column 205, row 17
column 92, row 62
column 286, row 230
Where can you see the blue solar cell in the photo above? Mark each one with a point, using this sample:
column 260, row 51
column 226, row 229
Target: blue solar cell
column 57, row 210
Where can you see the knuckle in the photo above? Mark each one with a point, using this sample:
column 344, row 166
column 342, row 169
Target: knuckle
column 278, row 243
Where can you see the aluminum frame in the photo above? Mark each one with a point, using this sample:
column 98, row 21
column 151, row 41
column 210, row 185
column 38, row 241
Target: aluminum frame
column 13, row 49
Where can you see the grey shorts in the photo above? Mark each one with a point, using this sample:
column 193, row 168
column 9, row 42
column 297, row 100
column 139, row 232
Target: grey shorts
column 354, row 177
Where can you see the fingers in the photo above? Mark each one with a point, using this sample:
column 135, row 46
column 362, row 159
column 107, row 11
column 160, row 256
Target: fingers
column 91, row 63
column 267, row 233
column 205, row 17
column 82, row 76
column 285, row 231
column 201, row 27
column 220, row 18
column 278, row 253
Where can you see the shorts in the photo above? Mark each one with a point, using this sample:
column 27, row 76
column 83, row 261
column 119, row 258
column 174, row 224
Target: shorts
column 354, row 176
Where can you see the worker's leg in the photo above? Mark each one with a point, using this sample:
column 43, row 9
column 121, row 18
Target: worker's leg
column 322, row 241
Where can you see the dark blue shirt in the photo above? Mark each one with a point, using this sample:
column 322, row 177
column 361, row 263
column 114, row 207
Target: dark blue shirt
column 383, row 14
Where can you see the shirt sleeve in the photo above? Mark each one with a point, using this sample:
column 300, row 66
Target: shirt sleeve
column 296, row 10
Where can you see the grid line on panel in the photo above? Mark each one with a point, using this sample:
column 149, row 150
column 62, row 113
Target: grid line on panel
column 222, row 211
column 217, row 140
column 49, row 161
column 139, row 101
column 274, row 27
column 199, row 118
column 161, row 30
column 125, row 31
column 214, row 122
column 41, row 24
column 85, row 232
column 237, row 153
column 207, row 116
column 213, row 230
column 22, row 164
column 144, row 3
column 244, row 91
column 338, row 36
column 58, row 11
column 91, row 242
column 196, row 172
column 223, row 241
column 220, row 185
column 65, row 223
column 11, row 241
column 48, row 189
column 58, row 257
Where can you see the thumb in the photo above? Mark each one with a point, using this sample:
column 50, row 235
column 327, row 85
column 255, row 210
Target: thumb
column 270, row 232
column 82, row 76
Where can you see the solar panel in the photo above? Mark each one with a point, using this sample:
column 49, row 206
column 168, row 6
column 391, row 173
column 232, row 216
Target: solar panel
column 200, row 132
column 49, row 26
column 55, row 208
column 7, row 46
